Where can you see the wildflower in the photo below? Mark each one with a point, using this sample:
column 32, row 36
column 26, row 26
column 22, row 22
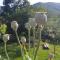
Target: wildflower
column 41, row 27
column 23, row 39
column 28, row 26
column 32, row 22
column 14, row 25
column 6, row 37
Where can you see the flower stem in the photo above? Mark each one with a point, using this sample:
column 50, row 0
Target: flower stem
column 6, row 51
column 29, row 40
column 33, row 41
column 19, row 44
column 37, row 46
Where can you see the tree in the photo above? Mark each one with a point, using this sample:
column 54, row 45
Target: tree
column 16, row 10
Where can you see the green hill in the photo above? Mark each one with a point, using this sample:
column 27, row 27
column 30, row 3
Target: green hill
column 52, row 8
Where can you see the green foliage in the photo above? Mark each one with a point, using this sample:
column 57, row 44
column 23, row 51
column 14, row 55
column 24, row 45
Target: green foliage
column 10, row 12
column 33, row 10
column 41, row 9
column 42, row 54
column 54, row 24
column 3, row 28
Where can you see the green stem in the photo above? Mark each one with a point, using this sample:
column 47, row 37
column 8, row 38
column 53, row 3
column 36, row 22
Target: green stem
column 29, row 40
column 6, row 51
column 37, row 46
column 33, row 41
column 20, row 45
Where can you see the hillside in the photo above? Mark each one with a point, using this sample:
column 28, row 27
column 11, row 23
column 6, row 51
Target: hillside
column 52, row 8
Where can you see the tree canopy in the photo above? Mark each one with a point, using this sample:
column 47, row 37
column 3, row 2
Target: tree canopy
column 16, row 10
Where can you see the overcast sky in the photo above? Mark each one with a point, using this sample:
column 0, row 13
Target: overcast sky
column 35, row 1
column 1, row 2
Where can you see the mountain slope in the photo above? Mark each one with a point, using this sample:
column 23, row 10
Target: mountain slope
column 53, row 9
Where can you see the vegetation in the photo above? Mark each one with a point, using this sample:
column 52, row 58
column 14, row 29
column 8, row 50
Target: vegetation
column 52, row 8
column 3, row 28
column 16, row 10
column 21, row 11
column 14, row 52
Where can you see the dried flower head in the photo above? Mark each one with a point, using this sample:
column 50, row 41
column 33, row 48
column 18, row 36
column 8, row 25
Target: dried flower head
column 6, row 37
column 23, row 39
column 14, row 25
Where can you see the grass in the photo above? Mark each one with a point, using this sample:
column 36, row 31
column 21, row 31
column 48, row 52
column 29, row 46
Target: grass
column 14, row 52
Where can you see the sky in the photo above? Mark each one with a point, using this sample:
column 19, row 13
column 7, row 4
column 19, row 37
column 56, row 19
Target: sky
column 35, row 1
column 1, row 2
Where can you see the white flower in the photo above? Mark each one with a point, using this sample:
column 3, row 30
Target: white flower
column 41, row 18
column 41, row 27
column 6, row 37
column 14, row 25
column 32, row 22
column 28, row 26
column 23, row 39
